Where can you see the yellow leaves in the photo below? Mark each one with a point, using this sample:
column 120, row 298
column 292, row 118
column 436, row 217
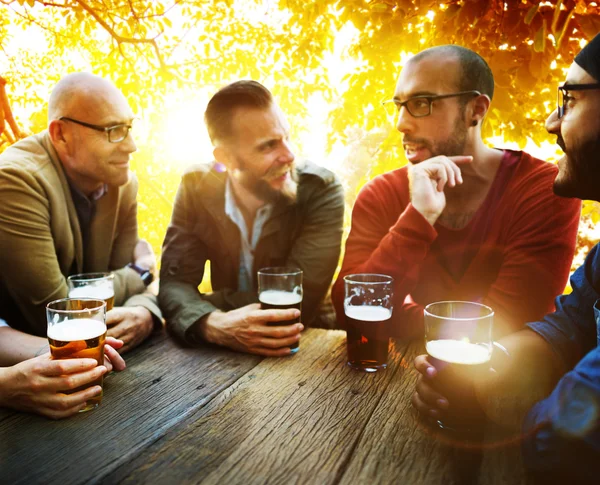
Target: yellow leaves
column 531, row 13
column 539, row 41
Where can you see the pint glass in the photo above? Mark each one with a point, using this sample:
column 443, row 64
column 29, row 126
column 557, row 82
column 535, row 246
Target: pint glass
column 77, row 330
column 99, row 286
column 368, row 309
column 458, row 339
column 280, row 288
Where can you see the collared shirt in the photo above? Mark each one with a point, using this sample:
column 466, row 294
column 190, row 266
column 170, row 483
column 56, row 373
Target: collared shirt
column 85, row 207
column 247, row 246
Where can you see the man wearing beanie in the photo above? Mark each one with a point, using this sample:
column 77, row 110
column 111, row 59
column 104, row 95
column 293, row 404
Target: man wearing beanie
column 553, row 373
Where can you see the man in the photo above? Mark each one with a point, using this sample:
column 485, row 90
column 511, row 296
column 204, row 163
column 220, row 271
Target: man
column 463, row 221
column 562, row 432
column 69, row 206
column 37, row 383
column 264, row 210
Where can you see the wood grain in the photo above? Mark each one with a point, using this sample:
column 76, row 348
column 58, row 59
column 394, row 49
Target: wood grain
column 293, row 420
column 163, row 383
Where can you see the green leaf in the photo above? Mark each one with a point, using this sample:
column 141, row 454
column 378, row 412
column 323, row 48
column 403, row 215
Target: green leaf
column 531, row 13
column 539, row 42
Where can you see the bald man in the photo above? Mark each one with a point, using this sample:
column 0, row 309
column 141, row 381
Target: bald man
column 68, row 206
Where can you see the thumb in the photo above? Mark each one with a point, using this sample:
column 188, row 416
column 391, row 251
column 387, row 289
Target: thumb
column 114, row 343
column 252, row 306
column 461, row 158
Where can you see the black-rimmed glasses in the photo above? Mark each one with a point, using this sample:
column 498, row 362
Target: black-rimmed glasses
column 116, row 133
column 563, row 94
column 420, row 106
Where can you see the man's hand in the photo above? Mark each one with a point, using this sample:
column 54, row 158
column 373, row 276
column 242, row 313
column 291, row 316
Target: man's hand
column 112, row 358
column 428, row 180
column 132, row 325
column 144, row 257
column 37, row 385
column 247, row 330
column 426, row 399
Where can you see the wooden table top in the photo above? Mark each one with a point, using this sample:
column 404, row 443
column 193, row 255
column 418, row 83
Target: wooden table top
column 210, row 415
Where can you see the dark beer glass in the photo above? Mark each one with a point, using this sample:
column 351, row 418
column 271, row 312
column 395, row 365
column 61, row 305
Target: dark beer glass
column 368, row 309
column 77, row 330
column 280, row 288
column 458, row 339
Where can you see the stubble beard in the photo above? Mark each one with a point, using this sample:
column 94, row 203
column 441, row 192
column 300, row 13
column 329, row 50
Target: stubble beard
column 579, row 171
column 261, row 188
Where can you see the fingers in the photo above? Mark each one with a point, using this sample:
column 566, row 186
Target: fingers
column 52, row 368
column 59, row 406
column 461, row 158
column 73, row 381
column 117, row 362
column 114, row 343
column 423, row 365
column 116, row 315
column 430, row 396
column 274, row 315
column 277, row 343
column 268, row 352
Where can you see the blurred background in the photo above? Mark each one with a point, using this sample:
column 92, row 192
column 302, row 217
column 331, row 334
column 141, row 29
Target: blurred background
column 329, row 64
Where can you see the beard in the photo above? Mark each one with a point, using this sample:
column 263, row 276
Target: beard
column 262, row 189
column 453, row 145
column 579, row 170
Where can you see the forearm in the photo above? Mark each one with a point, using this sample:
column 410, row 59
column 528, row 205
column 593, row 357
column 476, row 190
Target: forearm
column 16, row 346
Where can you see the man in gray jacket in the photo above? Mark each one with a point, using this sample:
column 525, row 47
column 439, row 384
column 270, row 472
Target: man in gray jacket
column 254, row 207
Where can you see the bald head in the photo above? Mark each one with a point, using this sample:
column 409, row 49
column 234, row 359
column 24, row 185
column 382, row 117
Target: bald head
column 81, row 94
column 474, row 74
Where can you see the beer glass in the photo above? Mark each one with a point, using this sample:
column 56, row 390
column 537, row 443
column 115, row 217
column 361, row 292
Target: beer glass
column 100, row 286
column 280, row 288
column 77, row 330
column 368, row 309
column 458, row 339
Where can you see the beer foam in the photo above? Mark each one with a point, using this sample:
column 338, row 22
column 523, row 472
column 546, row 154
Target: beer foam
column 95, row 292
column 458, row 351
column 277, row 297
column 368, row 313
column 78, row 329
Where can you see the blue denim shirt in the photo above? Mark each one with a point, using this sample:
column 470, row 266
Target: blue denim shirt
column 562, row 432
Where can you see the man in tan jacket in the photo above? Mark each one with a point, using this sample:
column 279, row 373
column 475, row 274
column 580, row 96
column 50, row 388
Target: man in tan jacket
column 68, row 205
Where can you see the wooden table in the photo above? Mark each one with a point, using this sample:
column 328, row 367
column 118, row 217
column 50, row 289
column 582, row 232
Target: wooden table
column 209, row 415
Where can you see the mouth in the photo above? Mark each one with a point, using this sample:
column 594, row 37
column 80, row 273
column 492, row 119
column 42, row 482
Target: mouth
column 415, row 153
column 124, row 164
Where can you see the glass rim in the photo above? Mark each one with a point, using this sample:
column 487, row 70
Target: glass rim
column 102, row 303
column 350, row 278
column 280, row 271
column 459, row 319
column 91, row 276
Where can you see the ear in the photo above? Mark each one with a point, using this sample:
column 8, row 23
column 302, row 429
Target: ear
column 57, row 135
column 479, row 108
column 223, row 156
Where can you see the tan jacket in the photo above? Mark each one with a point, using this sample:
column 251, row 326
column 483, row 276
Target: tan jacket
column 40, row 238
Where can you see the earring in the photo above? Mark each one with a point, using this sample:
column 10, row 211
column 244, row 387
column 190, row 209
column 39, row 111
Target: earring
column 474, row 123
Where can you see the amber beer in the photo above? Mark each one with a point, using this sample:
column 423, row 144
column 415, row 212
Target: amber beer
column 77, row 330
column 79, row 339
column 367, row 336
column 459, row 364
column 98, row 286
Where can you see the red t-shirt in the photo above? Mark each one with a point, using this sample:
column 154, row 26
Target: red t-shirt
column 514, row 255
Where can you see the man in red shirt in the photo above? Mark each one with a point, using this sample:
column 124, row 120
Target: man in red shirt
column 462, row 221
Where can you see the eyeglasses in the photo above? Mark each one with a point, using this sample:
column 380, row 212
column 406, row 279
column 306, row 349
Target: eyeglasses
column 116, row 133
column 420, row 106
column 563, row 94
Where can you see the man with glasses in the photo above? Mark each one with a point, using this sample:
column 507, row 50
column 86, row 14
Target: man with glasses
column 562, row 431
column 68, row 205
column 462, row 221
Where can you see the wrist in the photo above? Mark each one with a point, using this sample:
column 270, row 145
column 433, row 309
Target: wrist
column 208, row 327
column 430, row 216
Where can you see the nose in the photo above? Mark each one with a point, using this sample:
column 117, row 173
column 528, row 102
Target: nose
column 553, row 123
column 128, row 144
column 405, row 121
column 286, row 155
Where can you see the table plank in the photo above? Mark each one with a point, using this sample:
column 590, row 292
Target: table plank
column 164, row 382
column 290, row 420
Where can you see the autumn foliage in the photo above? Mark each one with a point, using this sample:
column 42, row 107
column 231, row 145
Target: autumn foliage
column 153, row 48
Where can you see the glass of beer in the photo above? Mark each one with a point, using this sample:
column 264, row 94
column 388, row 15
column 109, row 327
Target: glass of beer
column 280, row 288
column 458, row 339
column 100, row 286
column 368, row 308
column 77, row 330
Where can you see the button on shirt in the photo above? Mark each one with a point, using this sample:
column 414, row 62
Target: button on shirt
column 247, row 246
column 85, row 207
